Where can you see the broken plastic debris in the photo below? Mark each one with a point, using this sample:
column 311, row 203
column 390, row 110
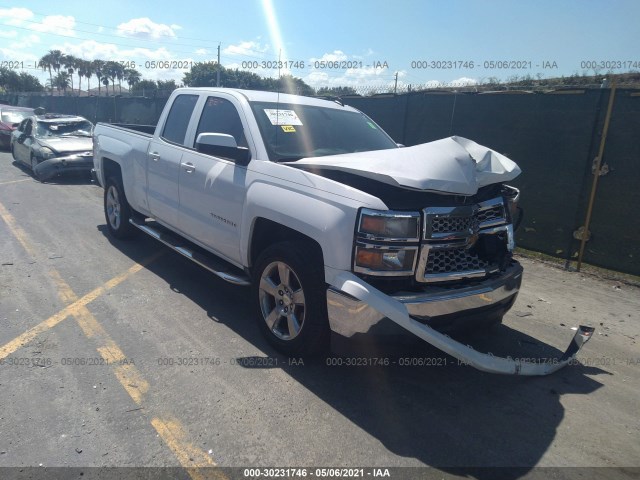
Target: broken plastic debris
column 574, row 328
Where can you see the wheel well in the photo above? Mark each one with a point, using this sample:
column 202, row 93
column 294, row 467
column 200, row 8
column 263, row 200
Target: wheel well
column 111, row 169
column 267, row 232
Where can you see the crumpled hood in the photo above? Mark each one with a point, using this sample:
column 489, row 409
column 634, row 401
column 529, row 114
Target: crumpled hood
column 453, row 165
column 67, row 144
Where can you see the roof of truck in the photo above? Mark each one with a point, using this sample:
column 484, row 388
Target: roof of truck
column 262, row 96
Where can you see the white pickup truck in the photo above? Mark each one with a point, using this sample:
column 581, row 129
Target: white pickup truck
column 334, row 225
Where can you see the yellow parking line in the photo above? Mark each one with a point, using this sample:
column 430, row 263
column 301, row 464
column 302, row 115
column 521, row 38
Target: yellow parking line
column 17, row 231
column 191, row 457
column 15, row 181
column 70, row 309
column 171, row 431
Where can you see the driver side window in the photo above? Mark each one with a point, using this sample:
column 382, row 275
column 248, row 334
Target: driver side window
column 220, row 116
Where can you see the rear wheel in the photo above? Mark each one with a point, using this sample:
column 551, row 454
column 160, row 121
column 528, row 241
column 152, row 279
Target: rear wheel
column 116, row 209
column 290, row 297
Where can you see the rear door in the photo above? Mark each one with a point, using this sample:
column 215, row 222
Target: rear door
column 164, row 157
column 22, row 148
column 212, row 189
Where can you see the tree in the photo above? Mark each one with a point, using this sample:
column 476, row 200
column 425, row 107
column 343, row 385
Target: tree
column 145, row 87
column 205, row 75
column 29, row 83
column 166, row 86
column 61, row 81
column 336, row 91
column 132, row 77
column 112, row 71
column 70, row 63
column 98, row 68
column 88, row 72
column 46, row 63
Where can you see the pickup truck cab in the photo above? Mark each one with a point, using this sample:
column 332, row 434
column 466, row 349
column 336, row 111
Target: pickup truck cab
column 332, row 224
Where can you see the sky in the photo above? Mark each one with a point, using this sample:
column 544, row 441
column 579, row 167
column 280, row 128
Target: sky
column 363, row 43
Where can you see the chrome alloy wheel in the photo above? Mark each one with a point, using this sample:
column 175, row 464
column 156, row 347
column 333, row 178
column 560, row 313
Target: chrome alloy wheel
column 282, row 300
column 113, row 207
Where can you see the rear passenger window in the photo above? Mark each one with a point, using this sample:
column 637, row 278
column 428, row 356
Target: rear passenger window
column 177, row 122
column 220, row 116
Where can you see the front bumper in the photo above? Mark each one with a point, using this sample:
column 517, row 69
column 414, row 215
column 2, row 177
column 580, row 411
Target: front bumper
column 57, row 165
column 436, row 306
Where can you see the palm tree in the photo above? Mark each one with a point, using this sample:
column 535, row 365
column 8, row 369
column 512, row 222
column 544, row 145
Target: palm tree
column 98, row 69
column 111, row 71
column 132, row 76
column 105, row 82
column 70, row 63
column 119, row 72
column 56, row 60
column 88, row 72
column 81, row 71
column 46, row 64
column 61, row 80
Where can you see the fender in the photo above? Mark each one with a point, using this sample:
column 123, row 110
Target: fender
column 331, row 223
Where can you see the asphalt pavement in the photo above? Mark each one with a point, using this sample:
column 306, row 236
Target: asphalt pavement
column 125, row 354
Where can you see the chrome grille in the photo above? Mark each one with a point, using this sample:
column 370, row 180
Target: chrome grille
column 452, row 261
column 446, row 224
column 491, row 214
column 449, row 234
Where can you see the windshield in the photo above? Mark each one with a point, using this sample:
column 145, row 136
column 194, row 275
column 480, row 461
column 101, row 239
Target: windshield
column 292, row 132
column 64, row 129
column 14, row 116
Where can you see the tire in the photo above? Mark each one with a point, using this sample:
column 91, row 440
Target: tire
column 116, row 209
column 292, row 313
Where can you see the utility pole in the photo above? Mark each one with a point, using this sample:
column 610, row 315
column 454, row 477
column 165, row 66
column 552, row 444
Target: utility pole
column 218, row 73
column 395, row 89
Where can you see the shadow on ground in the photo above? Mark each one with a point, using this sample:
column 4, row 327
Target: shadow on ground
column 445, row 415
column 69, row 178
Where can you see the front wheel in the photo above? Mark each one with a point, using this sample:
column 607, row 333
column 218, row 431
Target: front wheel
column 290, row 297
column 116, row 209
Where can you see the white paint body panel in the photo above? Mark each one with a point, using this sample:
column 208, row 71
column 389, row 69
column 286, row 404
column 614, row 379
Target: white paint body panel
column 453, row 165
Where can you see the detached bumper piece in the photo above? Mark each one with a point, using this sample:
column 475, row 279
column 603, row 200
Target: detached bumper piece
column 368, row 305
column 60, row 165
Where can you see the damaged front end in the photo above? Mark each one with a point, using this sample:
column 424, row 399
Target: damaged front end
column 449, row 262
column 362, row 297
column 73, row 162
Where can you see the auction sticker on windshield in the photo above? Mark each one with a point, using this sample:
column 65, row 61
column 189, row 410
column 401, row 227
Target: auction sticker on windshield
column 282, row 117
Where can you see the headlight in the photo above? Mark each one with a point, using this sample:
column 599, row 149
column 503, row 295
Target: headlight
column 386, row 242
column 512, row 195
column 387, row 260
column 388, row 225
column 46, row 153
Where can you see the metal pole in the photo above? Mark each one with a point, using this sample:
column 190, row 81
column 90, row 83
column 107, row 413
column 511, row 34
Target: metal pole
column 218, row 68
column 596, row 174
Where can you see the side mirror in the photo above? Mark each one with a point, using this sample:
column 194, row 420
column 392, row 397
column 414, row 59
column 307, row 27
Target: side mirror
column 222, row 145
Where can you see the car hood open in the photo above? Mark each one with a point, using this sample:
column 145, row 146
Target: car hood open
column 453, row 165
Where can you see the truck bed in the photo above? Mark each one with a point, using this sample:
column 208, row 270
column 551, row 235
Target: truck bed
column 146, row 130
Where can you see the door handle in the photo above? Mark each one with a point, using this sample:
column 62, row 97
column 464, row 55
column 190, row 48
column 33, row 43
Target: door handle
column 155, row 156
column 189, row 167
